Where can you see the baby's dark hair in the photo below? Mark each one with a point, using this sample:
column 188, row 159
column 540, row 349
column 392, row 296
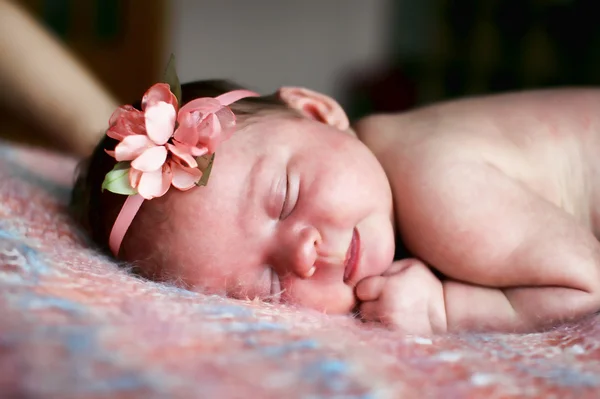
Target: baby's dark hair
column 96, row 210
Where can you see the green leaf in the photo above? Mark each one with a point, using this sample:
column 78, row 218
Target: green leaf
column 205, row 164
column 170, row 77
column 117, row 180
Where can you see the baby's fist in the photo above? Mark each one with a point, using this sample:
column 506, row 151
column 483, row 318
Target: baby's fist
column 407, row 297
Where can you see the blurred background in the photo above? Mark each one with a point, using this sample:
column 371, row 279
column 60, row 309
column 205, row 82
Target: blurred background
column 371, row 55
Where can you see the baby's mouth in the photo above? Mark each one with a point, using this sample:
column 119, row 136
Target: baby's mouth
column 352, row 256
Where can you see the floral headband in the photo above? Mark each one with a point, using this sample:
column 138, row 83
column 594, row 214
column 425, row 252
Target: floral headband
column 164, row 145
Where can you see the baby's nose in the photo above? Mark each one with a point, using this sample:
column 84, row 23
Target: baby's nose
column 304, row 252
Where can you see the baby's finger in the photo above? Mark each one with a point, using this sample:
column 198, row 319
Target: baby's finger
column 369, row 289
column 401, row 265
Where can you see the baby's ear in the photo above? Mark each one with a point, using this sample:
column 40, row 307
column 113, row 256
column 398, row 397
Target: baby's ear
column 315, row 106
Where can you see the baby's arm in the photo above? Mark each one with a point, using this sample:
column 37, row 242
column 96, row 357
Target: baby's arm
column 515, row 261
column 410, row 298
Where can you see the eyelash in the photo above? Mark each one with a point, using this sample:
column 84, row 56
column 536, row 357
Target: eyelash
column 286, row 198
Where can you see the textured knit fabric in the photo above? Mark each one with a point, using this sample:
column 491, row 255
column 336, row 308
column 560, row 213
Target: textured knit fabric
column 75, row 325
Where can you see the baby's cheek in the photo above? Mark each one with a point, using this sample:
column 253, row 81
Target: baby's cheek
column 310, row 294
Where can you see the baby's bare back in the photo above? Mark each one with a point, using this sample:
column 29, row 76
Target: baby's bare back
column 500, row 192
column 548, row 140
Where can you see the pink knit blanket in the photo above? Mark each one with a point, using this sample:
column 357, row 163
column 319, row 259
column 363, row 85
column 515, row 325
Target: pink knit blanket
column 75, row 325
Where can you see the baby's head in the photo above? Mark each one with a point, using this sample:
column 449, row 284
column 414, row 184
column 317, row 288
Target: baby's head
column 296, row 208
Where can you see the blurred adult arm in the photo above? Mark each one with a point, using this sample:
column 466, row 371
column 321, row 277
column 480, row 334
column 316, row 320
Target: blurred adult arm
column 42, row 81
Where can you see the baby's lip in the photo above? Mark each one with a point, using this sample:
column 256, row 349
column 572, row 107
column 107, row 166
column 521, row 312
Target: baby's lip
column 352, row 255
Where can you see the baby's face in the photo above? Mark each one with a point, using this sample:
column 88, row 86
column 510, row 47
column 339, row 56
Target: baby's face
column 295, row 211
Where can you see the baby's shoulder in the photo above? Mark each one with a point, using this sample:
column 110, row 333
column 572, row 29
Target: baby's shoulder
column 425, row 144
column 423, row 138
column 379, row 131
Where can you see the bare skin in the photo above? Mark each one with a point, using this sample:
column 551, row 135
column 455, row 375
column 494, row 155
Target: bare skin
column 48, row 85
column 499, row 194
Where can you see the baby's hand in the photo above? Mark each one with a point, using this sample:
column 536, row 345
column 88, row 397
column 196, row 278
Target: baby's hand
column 407, row 297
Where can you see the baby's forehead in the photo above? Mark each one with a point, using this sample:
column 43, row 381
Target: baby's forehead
column 270, row 129
column 241, row 173
column 221, row 208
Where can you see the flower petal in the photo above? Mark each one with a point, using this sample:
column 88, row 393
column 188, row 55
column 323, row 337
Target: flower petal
column 155, row 184
column 199, row 151
column 122, row 110
column 160, row 92
column 226, row 117
column 184, row 178
column 134, row 177
column 160, row 122
column 191, row 115
column 208, row 133
column 150, row 160
column 186, row 133
column 204, row 122
column 183, row 154
column 125, row 123
column 131, row 147
column 204, row 106
column 228, row 122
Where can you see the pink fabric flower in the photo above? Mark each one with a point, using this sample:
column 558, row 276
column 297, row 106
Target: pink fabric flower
column 155, row 154
column 159, row 157
column 203, row 124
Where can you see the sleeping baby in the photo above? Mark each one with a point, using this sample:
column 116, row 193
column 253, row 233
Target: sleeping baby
column 473, row 215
